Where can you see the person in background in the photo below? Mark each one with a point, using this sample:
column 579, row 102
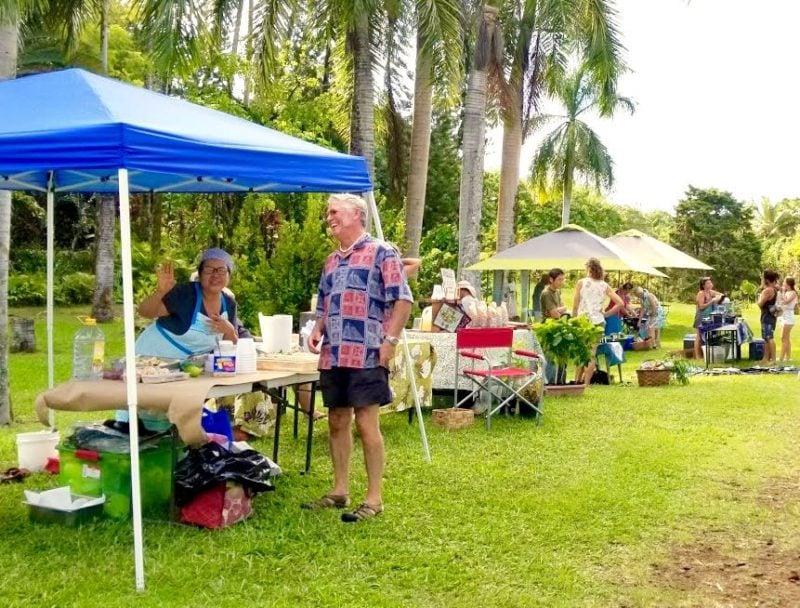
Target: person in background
column 589, row 300
column 539, row 314
column 705, row 300
column 767, row 302
column 467, row 297
column 190, row 317
column 550, row 299
column 788, row 303
column 552, row 307
column 651, row 315
column 363, row 304
column 615, row 313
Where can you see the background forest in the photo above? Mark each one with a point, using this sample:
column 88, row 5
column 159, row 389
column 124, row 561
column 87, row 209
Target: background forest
column 398, row 82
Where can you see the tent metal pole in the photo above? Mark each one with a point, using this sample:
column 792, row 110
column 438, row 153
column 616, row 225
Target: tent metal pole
column 376, row 220
column 130, row 374
column 51, row 382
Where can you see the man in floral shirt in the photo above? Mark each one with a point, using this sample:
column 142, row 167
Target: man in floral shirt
column 363, row 304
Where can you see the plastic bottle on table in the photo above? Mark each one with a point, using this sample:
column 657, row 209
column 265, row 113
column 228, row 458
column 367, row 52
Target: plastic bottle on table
column 88, row 351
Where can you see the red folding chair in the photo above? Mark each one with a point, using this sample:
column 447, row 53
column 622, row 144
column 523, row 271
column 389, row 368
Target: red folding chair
column 504, row 383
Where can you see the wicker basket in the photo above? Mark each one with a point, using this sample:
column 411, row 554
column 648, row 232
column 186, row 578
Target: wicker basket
column 653, row 377
column 453, row 418
column 642, row 345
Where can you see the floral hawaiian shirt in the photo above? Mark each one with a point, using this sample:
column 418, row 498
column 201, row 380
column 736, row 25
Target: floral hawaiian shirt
column 356, row 295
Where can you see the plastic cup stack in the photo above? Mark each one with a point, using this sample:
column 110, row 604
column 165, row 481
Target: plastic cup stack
column 245, row 356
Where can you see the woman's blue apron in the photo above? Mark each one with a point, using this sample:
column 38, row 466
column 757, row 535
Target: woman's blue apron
column 156, row 341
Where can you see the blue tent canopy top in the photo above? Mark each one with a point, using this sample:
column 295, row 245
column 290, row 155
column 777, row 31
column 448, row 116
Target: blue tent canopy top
column 85, row 127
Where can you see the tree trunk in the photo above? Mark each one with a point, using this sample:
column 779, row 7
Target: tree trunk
column 104, row 36
column 509, row 182
column 156, row 215
column 420, row 151
column 568, row 171
column 471, row 192
column 103, row 298
column 362, row 121
column 23, row 338
column 8, row 69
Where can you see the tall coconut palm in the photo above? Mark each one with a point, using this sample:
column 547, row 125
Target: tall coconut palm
column 573, row 146
column 540, row 36
column 487, row 58
column 9, row 36
column 438, row 59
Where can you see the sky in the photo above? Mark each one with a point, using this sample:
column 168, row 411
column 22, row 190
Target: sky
column 716, row 88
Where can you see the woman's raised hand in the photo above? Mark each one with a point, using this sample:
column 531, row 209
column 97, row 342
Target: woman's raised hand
column 165, row 276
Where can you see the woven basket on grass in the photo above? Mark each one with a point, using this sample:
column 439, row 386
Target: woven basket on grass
column 642, row 345
column 453, row 418
column 653, row 377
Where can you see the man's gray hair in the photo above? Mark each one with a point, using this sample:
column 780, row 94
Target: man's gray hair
column 356, row 202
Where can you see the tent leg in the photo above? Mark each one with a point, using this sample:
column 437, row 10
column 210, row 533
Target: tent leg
column 373, row 215
column 51, row 415
column 130, row 371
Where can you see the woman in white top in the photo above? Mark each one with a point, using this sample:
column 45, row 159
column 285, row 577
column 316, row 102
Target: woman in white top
column 787, row 301
column 590, row 301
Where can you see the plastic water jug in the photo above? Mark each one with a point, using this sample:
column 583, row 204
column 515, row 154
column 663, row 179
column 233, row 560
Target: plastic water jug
column 88, row 351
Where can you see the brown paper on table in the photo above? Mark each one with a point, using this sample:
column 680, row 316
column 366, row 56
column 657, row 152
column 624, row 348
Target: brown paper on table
column 183, row 401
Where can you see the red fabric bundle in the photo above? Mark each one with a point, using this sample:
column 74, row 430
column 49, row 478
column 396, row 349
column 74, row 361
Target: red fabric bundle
column 219, row 506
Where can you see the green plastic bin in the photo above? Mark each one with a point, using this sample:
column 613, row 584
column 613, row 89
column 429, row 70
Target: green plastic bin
column 93, row 473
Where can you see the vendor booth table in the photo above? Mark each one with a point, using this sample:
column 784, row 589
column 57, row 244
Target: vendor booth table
column 729, row 336
column 444, row 345
column 182, row 401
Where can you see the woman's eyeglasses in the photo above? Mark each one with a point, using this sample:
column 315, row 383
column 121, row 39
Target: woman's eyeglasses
column 208, row 271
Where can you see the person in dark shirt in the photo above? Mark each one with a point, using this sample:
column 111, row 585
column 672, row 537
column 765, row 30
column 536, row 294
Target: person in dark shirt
column 190, row 317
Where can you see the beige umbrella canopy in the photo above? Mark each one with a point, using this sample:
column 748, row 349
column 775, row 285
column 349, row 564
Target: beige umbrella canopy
column 654, row 252
column 567, row 248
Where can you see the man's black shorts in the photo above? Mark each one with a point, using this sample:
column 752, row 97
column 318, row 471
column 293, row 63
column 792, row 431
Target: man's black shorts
column 351, row 387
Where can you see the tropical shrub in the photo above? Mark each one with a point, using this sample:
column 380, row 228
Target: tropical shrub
column 75, row 288
column 27, row 290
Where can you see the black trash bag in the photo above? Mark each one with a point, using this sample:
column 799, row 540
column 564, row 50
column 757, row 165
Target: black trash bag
column 212, row 464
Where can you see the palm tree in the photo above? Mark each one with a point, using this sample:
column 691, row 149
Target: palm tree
column 9, row 35
column 541, row 35
column 487, row 58
column 573, row 146
column 778, row 220
column 438, row 59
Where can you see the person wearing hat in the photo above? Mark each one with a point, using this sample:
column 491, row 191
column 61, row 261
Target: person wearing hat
column 190, row 317
column 466, row 294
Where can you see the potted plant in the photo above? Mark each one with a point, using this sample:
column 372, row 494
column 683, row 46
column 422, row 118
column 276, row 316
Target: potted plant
column 663, row 371
column 567, row 341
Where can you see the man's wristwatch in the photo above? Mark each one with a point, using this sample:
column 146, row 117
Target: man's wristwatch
column 392, row 340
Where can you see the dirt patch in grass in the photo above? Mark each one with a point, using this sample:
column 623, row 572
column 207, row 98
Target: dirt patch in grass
column 759, row 575
column 738, row 572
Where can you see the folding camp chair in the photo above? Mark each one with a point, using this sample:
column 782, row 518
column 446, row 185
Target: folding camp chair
column 504, row 383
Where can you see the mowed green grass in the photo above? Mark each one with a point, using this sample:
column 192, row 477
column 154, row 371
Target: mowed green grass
column 573, row 512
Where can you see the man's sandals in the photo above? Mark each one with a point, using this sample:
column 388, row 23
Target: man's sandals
column 364, row 511
column 331, row 501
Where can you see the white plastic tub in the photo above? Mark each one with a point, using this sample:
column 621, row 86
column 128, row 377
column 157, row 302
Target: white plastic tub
column 33, row 449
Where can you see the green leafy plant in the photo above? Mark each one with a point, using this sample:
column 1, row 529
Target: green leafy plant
column 567, row 340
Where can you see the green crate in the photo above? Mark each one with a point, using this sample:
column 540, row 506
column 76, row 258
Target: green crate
column 93, row 473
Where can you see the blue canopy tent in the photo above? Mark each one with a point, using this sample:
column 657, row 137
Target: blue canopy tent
column 74, row 131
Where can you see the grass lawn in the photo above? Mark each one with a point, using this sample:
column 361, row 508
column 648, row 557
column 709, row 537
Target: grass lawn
column 627, row 496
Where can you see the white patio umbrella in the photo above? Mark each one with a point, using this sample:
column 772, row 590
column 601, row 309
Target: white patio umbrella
column 656, row 253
